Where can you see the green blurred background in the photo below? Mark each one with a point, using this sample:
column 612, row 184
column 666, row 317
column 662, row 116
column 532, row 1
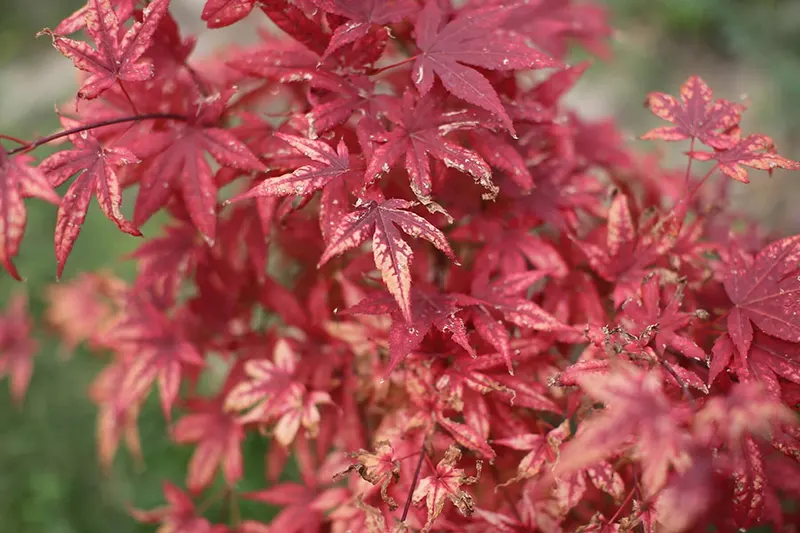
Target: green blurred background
column 49, row 478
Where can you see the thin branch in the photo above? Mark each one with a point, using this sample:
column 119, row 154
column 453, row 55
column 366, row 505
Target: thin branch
column 682, row 207
column 127, row 96
column 414, row 481
column 686, row 394
column 393, row 65
column 506, row 495
column 13, row 139
column 688, row 174
column 622, row 505
column 94, row 125
column 234, row 513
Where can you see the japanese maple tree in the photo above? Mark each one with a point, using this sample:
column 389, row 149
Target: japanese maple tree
column 397, row 258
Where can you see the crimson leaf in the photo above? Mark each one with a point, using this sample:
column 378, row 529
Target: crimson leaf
column 764, row 292
column 695, row 116
column 364, row 15
column 114, row 59
column 17, row 181
column 96, row 176
column 473, row 38
column 392, row 254
column 220, row 13
column 177, row 157
column 754, row 151
column 418, row 133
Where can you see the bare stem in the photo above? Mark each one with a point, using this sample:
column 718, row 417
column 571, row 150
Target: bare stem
column 622, row 506
column 27, row 147
column 393, row 65
column 414, row 481
column 234, row 513
column 688, row 175
column 127, row 96
column 682, row 207
column 13, row 139
column 506, row 495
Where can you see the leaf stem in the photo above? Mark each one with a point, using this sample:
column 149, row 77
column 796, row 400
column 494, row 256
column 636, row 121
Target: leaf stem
column 622, row 506
column 414, row 481
column 13, row 139
column 688, row 174
column 234, row 513
column 213, row 498
column 702, row 181
column 393, row 65
column 506, row 495
column 27, row 147
column 127, row 96
column 682, row 207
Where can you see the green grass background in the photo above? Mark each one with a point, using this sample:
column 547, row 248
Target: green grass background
column 49, row 478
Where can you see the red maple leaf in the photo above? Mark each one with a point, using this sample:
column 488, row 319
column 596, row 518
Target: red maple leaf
column 505, row 296
column 77, row 21
column 269, row 384
column 82, row 308
column 272, row 393
column 754, row 151
column 561, row 196
column 539, row 104
column 764, row 291
column 157, row 348
column 646, row 313
column 18, row 180
column 286, row 63
column 768, row 359
column 418, row 134
column 486, row 374
column 352, row 94
column 305, row 507
column 475, row 37
column 221, row 13
column 328, row 170
column 636, row 408
column 392, row 254
column 115, row 421
column 178, row 516
column 117, row 57
column 164, row 262
column 508, row 248
column 94, row 168
column 555, row 26
column 218, row 439
column 325, row 166
column 431, row 404
column 429, row 309
column 290, row 18
column 685, row 498
column 17, row 348
column 381, row 466
column 544, row 451
column 176, row 158
column 629, row 247
column 735, row 425
column 695, row 116
column 364, row 16
column 445, row 483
